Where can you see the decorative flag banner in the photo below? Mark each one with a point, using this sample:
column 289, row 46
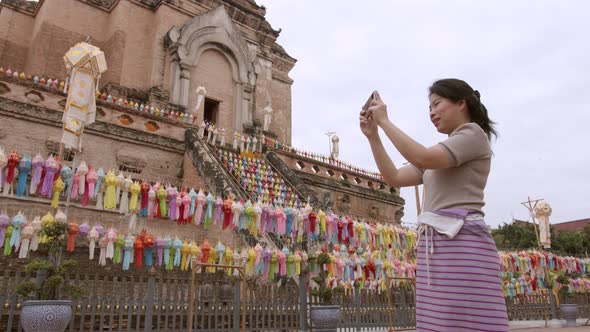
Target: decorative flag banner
column 84, row 63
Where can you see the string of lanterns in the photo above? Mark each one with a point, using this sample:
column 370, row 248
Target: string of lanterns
column 525, row 272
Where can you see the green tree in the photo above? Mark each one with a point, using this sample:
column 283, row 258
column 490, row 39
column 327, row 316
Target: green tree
column 569, row 243
column 515, row 236
column 521, row 236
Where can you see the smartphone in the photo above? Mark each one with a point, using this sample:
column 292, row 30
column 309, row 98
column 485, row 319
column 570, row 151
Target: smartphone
column 368, row 103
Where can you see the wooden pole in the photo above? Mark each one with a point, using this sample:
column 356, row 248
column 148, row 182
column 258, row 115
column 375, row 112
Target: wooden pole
column 243, row 295
column 388, row 291
column 417, row 200
column 529, row 205
column 192, row 296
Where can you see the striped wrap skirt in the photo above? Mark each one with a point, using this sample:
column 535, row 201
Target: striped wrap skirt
column 459, row 287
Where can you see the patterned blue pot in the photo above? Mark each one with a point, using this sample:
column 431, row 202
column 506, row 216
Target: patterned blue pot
column 46, row 316
column 325, row 318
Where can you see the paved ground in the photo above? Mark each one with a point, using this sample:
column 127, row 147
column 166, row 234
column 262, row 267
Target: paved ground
column 529, row 326
column 554, row 325
column 560, row 329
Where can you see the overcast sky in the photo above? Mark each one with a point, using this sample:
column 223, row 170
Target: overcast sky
column 529, row 59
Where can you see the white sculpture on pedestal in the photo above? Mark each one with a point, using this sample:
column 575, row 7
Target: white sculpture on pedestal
column 248, row 142
column 267, row 117
column 254, row 144
column 199, row 107
column 215, row 133
column 202, row 129
column 209, row 131
column 222, row 132
column 335, row 150
column 242, row 141
column 235, row 142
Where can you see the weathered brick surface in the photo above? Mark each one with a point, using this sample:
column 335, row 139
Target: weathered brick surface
column 190, row 175
column 50, row 105
column 281, row 118
column 347, row 197
column 355, row 201
column 214, row 72
column 131, row 35
column 15, row 35
column 311, row 166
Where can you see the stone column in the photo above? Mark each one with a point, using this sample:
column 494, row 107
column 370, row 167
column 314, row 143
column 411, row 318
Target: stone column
column 185, row 75
column 248, row 110
column 238, row 106
column 174, row 77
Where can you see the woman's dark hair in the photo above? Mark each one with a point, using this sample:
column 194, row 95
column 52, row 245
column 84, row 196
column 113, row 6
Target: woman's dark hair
column 456, row 90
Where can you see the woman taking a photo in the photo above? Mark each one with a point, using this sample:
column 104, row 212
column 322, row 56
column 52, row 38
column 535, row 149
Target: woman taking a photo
column 458, row 286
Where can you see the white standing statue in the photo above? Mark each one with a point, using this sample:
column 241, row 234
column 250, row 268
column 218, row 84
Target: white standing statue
column 262, row 142
column 199, row 107
column 209, row 132
column 215, row 133
column 248, row 142
column 222, row 132
column 267, row 117
column 242, row 141
column 202, row 129
column 235, row 142
column 254, row 144
column 335, row 150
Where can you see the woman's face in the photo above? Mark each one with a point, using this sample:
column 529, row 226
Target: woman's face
column 446, row 115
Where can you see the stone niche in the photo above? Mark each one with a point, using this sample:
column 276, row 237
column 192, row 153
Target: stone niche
column 187, row 45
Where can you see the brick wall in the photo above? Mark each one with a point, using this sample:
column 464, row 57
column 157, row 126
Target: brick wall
column 132, row 38
column 15, row 37
column 369, row 197
column 214, row 72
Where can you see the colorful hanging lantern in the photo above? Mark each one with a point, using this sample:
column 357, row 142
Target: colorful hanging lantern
column 36, row 225
column 4, row 223
column 24, row 168
column 73, row 229
column 12, row 163
column 58, row 187
column 18, row 222
column 26, row 236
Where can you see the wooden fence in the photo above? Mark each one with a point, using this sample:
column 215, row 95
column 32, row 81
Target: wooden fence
column 366, row 310
column 117, row 302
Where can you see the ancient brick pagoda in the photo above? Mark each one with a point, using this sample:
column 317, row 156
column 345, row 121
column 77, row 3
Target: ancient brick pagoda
column 158, row 53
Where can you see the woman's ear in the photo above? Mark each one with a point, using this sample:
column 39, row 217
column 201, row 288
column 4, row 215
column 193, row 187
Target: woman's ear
column 462, row 105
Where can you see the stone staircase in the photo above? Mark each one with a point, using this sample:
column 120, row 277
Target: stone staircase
column 209, row 167
column 205, row 159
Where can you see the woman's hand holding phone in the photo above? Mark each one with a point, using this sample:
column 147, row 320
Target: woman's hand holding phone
column 367, row 122
column 377, row 110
